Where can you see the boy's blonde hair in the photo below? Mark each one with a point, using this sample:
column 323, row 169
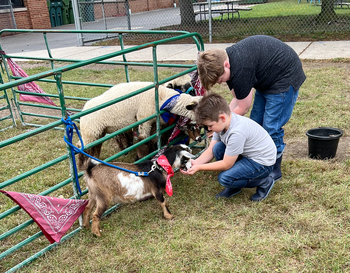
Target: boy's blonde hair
column 210, row 65
column 210, row 107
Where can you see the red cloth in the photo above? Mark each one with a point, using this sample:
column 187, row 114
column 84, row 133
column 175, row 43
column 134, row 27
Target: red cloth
column 29, row 86
column 53, row 215
column 164, row 163
column 200, row 91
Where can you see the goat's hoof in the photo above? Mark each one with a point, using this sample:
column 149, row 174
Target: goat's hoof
column 169, row 217
column 97, row 234
column 86, row 226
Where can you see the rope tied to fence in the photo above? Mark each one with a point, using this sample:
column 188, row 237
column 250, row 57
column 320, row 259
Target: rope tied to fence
column 70, row 128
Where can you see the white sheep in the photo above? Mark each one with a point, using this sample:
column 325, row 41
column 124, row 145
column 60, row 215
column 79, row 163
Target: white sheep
column 182, row 84
column 119, row 115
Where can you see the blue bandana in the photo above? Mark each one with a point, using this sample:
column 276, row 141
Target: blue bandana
column 168, row 105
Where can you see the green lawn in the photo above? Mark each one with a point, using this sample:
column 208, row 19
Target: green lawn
column 303, row 226
column 287, row 8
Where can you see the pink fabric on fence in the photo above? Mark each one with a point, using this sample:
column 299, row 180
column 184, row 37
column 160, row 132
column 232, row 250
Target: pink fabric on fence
column 53, row 215
column 29, row 86
column 200, row 90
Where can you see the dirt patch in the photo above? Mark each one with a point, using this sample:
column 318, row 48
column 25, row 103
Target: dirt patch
column 298, row 149
column 312, row 64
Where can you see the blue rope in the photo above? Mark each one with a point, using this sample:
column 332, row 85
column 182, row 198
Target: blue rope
column 189, row 90
column 70, row 127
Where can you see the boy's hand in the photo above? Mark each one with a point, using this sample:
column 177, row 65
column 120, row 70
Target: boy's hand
column 191, row 171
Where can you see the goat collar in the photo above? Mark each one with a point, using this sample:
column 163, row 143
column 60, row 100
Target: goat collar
column 164, row 163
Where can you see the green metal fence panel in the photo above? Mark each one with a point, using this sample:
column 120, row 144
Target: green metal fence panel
column 7, row 118
column 51, row 170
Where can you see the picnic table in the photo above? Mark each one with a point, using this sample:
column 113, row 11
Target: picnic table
column 219, row 7
column 341, row 3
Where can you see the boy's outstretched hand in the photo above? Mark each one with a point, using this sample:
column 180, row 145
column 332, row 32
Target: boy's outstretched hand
column 191, row 171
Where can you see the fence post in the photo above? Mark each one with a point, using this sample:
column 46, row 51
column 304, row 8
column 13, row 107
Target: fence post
column 77, row 21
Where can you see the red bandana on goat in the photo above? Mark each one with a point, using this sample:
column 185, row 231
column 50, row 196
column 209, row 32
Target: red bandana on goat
column 164, row 163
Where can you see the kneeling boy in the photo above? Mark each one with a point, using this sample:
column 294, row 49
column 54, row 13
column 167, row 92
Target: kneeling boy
column 244, row 152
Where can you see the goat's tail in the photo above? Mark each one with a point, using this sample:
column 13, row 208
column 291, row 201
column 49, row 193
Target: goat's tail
column 82, row 162
column 85, row 163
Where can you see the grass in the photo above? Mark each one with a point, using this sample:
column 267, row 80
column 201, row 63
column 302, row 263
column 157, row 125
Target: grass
column 287, row 20
column 303, row 226
column 286, row 8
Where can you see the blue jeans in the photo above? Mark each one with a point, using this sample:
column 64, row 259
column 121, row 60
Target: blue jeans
column 272, row 112
column 243, row 170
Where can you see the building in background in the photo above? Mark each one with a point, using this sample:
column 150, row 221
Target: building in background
column 24, row 14
column 44, row 14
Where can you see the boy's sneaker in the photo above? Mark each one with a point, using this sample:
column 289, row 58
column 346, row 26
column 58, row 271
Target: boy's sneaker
column 228, row 192
column 263, row 190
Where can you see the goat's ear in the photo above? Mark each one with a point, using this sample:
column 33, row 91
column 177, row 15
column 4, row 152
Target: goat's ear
column 192, row 106
column 187, row 154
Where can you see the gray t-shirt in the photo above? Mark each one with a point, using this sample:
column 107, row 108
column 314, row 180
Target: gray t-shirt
column 247, row 138
column 265, row 63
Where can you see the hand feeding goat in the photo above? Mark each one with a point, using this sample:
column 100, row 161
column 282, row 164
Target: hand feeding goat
column 110, row 185
column 119, row 115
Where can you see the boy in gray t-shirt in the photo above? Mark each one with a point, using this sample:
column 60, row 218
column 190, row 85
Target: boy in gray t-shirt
column 267, row 65
column 244, row 152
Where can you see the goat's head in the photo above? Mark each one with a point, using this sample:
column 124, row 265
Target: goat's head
column 192, row 130
column 182, row 84
column 179, row 156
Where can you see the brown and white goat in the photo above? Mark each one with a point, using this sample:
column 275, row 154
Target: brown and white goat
column 110, row 185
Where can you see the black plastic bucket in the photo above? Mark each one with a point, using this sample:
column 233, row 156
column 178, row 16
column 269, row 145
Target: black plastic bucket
column 323, row 142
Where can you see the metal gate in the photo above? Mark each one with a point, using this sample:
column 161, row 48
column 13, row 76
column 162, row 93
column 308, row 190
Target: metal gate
column 54, row 175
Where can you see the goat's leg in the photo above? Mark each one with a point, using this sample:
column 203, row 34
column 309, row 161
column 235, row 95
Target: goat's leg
column 87, row 212
column 159, row 196
column 101, row 207
column 142, row 151
column 144, row 132
column 124, row 140
column 96, row 151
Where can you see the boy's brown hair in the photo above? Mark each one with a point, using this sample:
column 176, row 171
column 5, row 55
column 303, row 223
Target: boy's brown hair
column 210, row 65
column 210, row 107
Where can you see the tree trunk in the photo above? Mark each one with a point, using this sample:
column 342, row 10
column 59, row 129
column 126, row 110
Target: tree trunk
column 327, row 13
column 186, row 12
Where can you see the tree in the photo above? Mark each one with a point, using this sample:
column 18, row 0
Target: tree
column 327, row 13
column 186, row 12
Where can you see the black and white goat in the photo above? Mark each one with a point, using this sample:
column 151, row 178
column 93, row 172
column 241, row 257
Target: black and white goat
column 110, row 185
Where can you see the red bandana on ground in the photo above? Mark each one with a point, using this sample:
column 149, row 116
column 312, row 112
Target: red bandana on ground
column 163, row 161
column 53, row 215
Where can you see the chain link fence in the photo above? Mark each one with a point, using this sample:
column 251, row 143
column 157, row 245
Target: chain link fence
column 218, row 21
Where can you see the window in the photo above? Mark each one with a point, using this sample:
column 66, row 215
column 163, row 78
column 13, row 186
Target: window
column 15, row 3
